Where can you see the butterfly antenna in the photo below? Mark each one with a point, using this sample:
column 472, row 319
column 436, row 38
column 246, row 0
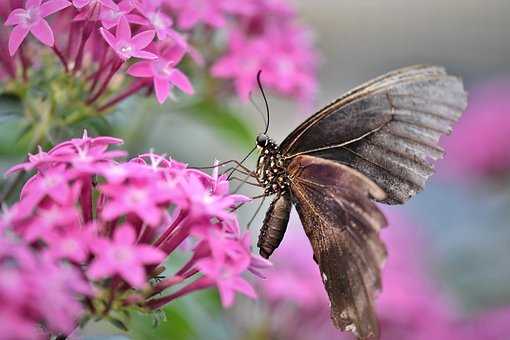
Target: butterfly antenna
column 258, row 109
column 259, row 82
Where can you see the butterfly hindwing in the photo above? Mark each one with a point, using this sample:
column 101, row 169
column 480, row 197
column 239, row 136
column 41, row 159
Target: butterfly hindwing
column 388, row 129
column 342, row 224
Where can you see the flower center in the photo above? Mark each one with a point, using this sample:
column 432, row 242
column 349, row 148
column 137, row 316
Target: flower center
column 137, row 196
column 122, row 254
column 69, row 245
column 31, row 16
column 157, row 20
column 113, row 15
column 125, row 49
column 285, row 66
column 162, row 68
column 50, row 181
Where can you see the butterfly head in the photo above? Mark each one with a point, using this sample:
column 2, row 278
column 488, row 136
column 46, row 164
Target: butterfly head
column 262, row 140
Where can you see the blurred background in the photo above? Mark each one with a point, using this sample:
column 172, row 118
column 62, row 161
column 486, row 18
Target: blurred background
column 448, row 272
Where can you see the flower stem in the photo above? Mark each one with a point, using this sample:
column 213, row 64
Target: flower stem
column 24, row 63
column 61, row 57
column 115, row 67
column 199, row 284
column 86, row 199
column 180, row 217
column 95, row 76
column 129, row 92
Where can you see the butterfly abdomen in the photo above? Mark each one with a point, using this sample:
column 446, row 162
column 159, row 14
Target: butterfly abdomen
column 275, row 224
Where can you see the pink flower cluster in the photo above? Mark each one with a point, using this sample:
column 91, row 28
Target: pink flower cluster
column 116, row 222
column 102, row 36
column 38, row 295
column 479, row 145
column 409, row 307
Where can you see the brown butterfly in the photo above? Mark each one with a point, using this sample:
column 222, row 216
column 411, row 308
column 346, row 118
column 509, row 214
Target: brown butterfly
column 371, row 145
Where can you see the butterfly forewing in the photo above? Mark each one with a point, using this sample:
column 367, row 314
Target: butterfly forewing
column 388, row 129
column 342, row 224
column 375, row 143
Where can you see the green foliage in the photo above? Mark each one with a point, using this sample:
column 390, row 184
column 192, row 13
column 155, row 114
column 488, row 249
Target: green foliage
column 223, row 120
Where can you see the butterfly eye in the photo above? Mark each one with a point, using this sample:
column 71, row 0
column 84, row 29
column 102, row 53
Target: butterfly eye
column 262, row 140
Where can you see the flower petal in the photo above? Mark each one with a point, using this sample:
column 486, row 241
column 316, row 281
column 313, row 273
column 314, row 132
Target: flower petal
column 227, row 294
column 99, row 269
column 80, row 3
column 134, row 275
column 43, row 32
column 144, row 55
column 17, row 36
column 123, row 31
column 143, row 39
column 53, row 6
column 162, row 88
column 33, row 3
column 141, row 69
column 180, row 80
column 15, row 17
column 110, row 38
column 149, row 254
column 125, row 235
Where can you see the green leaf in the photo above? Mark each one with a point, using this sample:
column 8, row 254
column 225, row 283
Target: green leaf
column 118, row 323
column 221, row 118
column 10, row 106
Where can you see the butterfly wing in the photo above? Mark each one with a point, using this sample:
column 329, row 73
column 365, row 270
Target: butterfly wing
column 388, row 129
column 342, row 224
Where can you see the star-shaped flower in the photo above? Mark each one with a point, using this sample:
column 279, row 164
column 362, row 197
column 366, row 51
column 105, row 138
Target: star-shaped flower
column 127, row 46
column 124, row 257
column 31, row 19
column 164, row 75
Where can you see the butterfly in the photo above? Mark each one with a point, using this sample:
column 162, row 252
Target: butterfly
column 376, row 143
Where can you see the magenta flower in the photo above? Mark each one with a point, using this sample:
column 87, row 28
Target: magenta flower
column 164, row 75
column 193, row 12
column 283, row 55
column 126, row 46
column 82, row 3
column 31, row 19
column 124, row 257
column 53, row 184
column 157, row 18
column 111, row 16
column 135, row 199
column 35, row 291
column 479, row 144
column 227, row 280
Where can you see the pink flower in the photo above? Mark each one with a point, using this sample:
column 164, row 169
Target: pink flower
column 137, row 199
column 284, row 55
column 202, row 202
column 45, row 223
column 164, row 74
column 110, row 17
column 242, row 63
column 53, row 184
column 34, row 161
column 34, row 291
column 117, row 232
column 192, row 12
column 31, row 19
column 156, row 18
column 227, row 280
column 126, row 46
column 124, row 257
column 479, row 144
column 82, row 3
